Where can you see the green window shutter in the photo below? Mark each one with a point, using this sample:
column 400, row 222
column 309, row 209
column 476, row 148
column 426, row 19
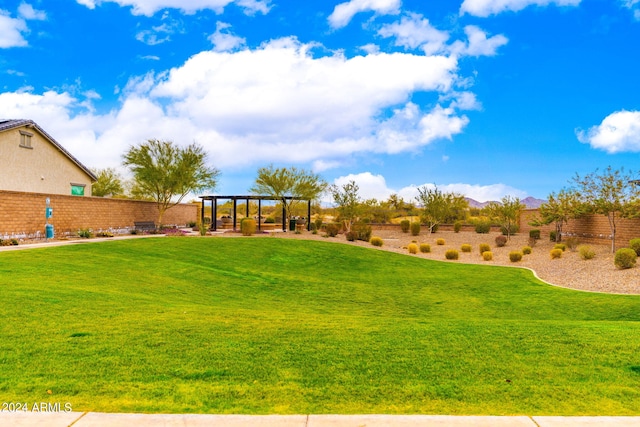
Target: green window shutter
column 77, row 190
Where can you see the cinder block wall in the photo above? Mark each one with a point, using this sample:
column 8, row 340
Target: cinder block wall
column 24, row 213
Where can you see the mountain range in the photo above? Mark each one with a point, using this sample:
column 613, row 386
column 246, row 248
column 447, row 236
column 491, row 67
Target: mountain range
column 529, row 202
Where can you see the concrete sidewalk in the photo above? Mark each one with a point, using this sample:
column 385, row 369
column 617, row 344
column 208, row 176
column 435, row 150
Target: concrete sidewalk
column 96, row 419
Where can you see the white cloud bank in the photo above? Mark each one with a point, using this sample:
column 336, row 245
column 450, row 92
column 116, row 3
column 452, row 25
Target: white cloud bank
column 150, row 7
column 344, row 12
column 618, row 132
column 13, row 30
column 484, row 8
column 375, row 187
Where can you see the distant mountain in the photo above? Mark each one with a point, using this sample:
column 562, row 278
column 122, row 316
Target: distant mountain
column 529, row 202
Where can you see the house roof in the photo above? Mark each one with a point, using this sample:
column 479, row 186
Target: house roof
column 7, row 124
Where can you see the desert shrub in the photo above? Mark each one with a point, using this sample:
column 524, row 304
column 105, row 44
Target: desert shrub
column 425, row 248
column 483, row 227
column 515, row 256
column 572, row 243
column 9, row 242
column 487, row 255
column 552, row 236
column 534, row 234
column 526, row 250
column 376, row 241
column 457, row 226
column 413, row 248
column 501, row 241
column 415, row 228
column 318, row 223
column 248, row 226
column 271, row 220
column 405, row 224
column 362, row 230
column 484, row 247
column 513, row 229
column 625, row 258
column 465, row 248
column 85, row 233
column 440, row 242
column 556, row 253
column 451, row 254
column 191, row 224
column 635, row 245
column 586, row 252
column 104, row 234
column 351, row 236
column 332, row 229
column 560, row 246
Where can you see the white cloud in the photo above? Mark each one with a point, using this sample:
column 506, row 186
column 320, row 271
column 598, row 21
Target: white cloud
column 634, row 6
column 12, row 31
column 344, row 12
column 618, row 132
column 369, row 186
column 478, row 43
column 413, row 31
column 27, row 11
column 484, row 8
column 150, row 7
column 161, row 33
column 223, row 40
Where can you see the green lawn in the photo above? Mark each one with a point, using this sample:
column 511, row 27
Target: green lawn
column 267, row 325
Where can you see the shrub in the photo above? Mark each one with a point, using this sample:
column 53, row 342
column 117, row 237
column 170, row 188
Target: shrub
column 484, row 247
column 85, row 233
column 362, row 230
column 351, row 236
column 269, row 220
column 248, row 226
column 413, row 248
column 515, row 256
column 635, row 245
column 513, row 229
column 440, row 242
column 501, row 241
column 425, row 248
column 560, row 246
column 483, row 227
column 625, row 258
column 9, row 242
column 487, row 255
column 191, row 224
column 318, row 223
column 405, row 224
column 572, row 243
column 376, row 241
column 465, row 248
column 451, row 254
column 586, row 252
column 415, row 228
column 556, row 253
column 552, row 236
column 332, row 229
column 534, row 234
column 457, row 226
column 526, row 250
column 104, row 234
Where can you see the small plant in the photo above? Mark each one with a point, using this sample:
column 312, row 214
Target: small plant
column 248, row 226
column 465, row 248
column 104, row 234
column 487, row 255
column 586, row 252
column 556, row 253
column 415, row 228
column 511, row 230
column 413, row 248
column 451, row 254
column 332, row 229
column 534, row 234
column 351, row 236
column 635, row 245
column 85, row 233
column 9, row 242
column 362, row 230
column 515, row 256
column 269, row 220
column 318, row 223
column 376, row 241
column 484, row 247
column 572, row 243
column 440, row 242
column 202, row 228
column 501, row 241
column 405, row 224
column 527, row 250
column 457, row 226
column 483, row 227
column 560, row 246
column 425, row 248
column 553, row 235
column 625, row 258
column 191, row 224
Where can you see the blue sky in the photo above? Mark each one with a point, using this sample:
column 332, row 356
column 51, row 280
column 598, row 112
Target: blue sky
column 483, row 97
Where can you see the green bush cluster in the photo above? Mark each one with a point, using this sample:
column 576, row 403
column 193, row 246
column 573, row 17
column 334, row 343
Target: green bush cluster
column 415, row 228
column 413, row 248
column 248, row 226
column 376, row 241
column 425, row 248
column 451, row 254
column 586, row 252
column 484, row 247
column 362, row 230
column 501, row 241
column 465, row 247
column 515, row 256
column 332, row 229
column 440, row 242
column 351, row 236
column 511, row 230
column 560, row 246
column 104, row 234
column 457, row 226
column 483, row 227
column 85, row 233
column 534, row 234
column 552, row 236
column 625, row 258
column 9, row 242
column 487, row 255
column 405, row 224
column 527, row 250
column 635, row 245
column 556, row 253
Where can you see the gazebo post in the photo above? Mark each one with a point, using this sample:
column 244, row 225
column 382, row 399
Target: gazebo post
column 259, row 213
column 214, row 213
column 309, row 216
column 202, row 212
column 284, row 217
column 235, row 212
column 247, row 215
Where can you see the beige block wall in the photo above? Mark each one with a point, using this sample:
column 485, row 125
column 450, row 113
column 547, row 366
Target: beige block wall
column 39, row 169
column 24, row 213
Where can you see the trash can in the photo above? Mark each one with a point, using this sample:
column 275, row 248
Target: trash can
column 48, row 231
column 292, row 225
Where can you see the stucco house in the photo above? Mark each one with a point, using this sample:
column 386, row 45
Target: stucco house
column 32, row 161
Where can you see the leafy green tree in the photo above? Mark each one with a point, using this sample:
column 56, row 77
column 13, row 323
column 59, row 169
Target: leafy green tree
column 282, row 183
column 109, row 183
column 167, row 173
column 506, row 213
column 559, row 209
column 347, row 202
column 438, row 206
column 612, row 193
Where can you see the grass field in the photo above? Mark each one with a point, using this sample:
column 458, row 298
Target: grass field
column 268, row 325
